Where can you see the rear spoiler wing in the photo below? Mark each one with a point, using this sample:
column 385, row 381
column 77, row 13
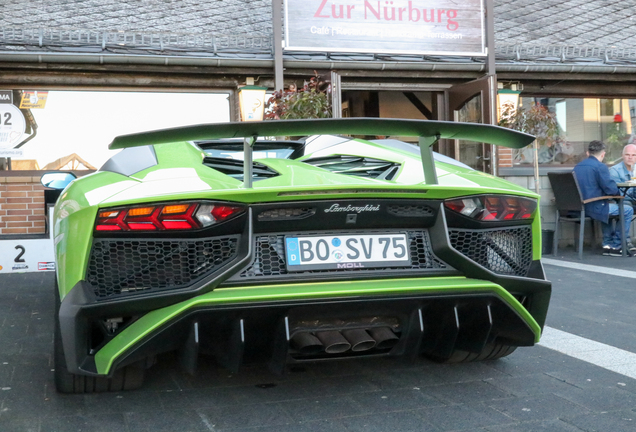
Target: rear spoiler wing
column 428, row 132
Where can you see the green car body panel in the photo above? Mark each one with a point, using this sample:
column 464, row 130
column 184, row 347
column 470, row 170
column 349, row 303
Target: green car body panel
column 180, row 174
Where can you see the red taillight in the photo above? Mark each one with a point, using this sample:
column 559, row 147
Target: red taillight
column 108, row 228
column 210, row 214
column 169, row 224
column 493, row 207
column 222, row 212
column 180, row 216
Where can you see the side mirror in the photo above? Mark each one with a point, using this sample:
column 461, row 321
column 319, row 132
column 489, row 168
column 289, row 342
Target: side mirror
column 57, row 180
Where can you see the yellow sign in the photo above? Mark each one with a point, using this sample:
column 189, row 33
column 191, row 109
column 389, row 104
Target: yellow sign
column 33, row 99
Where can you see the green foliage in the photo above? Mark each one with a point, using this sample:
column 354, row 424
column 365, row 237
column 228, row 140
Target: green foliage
column 536, row 120
column 311, row 101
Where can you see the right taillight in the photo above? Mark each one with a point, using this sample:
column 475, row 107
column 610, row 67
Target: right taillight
column 165, row 217
column 493, row 207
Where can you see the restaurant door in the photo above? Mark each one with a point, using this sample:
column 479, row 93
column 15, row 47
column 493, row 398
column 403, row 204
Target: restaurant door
column 469, row 102
column 466, row 102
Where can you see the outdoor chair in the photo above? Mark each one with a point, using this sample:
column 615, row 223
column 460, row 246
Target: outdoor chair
column 570, row 207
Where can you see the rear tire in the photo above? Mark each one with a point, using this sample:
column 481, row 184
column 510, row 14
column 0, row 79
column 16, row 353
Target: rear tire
column 127, row 378
column 491, row 351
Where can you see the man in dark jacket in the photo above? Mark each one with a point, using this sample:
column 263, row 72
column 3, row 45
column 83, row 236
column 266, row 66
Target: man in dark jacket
column 594, row 181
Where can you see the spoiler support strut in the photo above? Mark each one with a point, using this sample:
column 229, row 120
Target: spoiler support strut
column 248, row 142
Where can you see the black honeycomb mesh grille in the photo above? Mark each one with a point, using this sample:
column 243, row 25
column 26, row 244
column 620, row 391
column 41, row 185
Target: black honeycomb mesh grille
column 407, row 210
column 129, row 266
column 286, row 214
column 269, row 257
column 506, row 251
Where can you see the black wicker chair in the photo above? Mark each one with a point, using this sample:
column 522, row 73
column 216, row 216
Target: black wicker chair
column 570, row 207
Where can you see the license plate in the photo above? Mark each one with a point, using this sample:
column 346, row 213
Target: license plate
column 347, row 251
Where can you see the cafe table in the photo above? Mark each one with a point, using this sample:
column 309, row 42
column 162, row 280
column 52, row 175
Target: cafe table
column 624, row 187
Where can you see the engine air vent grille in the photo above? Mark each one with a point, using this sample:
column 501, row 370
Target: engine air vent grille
column 119, row 267
column 286, row 214
column 506, row 251
column 234, row 168
column 356, row 166
column 411, row 210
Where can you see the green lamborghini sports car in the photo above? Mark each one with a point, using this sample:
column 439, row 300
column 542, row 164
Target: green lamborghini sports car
column 216, row 244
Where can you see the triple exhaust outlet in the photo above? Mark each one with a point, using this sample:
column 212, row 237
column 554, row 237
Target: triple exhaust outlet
column 341, row 341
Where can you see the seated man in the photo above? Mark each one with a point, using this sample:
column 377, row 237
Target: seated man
column 622, row 172
column 595, row 181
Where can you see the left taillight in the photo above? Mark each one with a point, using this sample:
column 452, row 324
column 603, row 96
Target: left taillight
column 493, row 208
column 165, row 217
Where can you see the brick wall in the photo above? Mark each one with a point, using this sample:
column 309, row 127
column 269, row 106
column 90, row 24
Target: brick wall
column 505, row 157
column 21, row 203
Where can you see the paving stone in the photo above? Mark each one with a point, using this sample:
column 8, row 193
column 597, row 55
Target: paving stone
column 397, row 400
column 167, row 421
column 467, row 392
column 93, row 423
column 312, row 426
column 545, row 407
column 459, row 417
column 198, row 398
column 540, row 426
column 539, row 383
column 246, row 416
column 616, row 421
column 408, row 421
column 454, row 373
column 21, row 425
column 312, row 409
column 601, row 399
column 588, row 376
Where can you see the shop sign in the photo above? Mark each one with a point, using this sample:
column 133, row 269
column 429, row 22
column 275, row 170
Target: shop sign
column 432, row 27
column 12, row 126
column 6, row 96
column 33, row 99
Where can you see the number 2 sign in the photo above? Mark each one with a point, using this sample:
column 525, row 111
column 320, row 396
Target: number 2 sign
column 12, row 126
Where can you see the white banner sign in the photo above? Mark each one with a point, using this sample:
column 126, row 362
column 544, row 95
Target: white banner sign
column 27, row 254
column 12, row 126
column 12, row 153
column 442, row 27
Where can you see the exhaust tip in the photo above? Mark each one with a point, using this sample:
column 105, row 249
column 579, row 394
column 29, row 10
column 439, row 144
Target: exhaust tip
column 333, row 341
column 359, row 339
column 384, row 337
column 306, row 343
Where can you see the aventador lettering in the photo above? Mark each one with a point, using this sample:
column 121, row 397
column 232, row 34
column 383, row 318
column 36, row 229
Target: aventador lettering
column 351, row 209
column 388, row 11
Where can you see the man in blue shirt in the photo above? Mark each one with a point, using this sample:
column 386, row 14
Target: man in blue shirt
column 622, row 172
column 594, row 181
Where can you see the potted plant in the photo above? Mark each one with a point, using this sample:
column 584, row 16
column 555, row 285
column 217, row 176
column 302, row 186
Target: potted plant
column 310, row 101
column 536, row 120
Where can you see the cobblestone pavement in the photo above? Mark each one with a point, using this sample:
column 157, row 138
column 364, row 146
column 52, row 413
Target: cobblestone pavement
column 534, row 389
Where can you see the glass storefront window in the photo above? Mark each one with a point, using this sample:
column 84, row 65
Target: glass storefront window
column 75, row 127
column 473, row 154
column 580, row 121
